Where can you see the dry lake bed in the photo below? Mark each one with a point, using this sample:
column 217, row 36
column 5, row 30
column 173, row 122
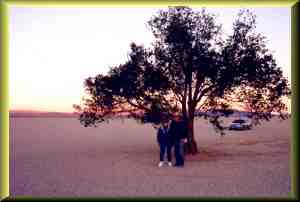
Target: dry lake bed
column 59, row 157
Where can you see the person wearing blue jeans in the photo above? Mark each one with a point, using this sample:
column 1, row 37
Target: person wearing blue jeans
column 178, row 135
column 179, row 153
column 165, row 144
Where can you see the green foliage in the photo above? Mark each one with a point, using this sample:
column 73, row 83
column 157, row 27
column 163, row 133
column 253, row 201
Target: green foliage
column 190, row 67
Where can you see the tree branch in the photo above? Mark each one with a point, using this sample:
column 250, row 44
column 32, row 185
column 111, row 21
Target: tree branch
column 202, row 93
column 138, row 105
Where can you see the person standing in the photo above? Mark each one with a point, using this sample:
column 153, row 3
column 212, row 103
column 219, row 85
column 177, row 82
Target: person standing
column 178, row 135
column 165, row 144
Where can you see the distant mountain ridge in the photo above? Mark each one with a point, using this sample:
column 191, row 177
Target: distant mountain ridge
column 33, row 113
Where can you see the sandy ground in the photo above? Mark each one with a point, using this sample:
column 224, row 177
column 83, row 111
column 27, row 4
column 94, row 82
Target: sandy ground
column 59, row 157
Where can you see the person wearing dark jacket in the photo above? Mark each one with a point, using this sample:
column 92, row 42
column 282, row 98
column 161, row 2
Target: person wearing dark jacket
column 165, row 144
column 178, row 133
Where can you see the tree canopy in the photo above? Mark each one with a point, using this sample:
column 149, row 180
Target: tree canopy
column 191, row 66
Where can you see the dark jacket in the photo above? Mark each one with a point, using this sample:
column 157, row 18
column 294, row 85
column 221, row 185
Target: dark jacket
column 178, row 130
column 163, row 136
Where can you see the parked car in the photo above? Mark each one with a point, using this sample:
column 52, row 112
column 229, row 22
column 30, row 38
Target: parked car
column 240, row 124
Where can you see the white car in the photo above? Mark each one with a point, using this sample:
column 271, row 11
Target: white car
column 240, row 124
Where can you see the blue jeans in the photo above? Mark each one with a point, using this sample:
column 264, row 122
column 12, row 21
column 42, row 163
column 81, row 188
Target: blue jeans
column 163, row 148
column 179, row 153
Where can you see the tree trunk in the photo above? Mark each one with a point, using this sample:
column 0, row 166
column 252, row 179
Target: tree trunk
column 191, row 146
column 184, row 100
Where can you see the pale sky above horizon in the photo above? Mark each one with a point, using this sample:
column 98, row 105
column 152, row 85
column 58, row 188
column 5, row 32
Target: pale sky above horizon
column 52, row 50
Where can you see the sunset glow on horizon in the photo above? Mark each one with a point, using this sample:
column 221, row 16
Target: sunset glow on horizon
column 52, row 50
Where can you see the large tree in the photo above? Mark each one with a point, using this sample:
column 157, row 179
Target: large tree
column 191, row 66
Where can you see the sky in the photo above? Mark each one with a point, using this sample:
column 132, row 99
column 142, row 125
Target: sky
column 52, row 50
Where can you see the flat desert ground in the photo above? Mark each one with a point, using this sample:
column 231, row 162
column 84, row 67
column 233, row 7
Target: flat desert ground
column 59, row 157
